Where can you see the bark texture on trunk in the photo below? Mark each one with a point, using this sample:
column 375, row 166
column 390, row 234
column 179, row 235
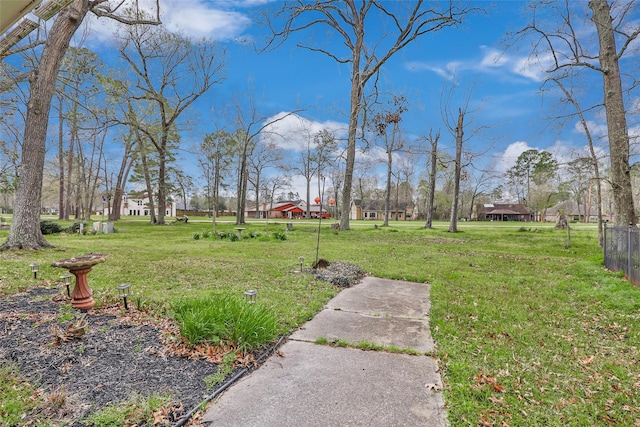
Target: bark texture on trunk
column 25, row 228
column 616, row 117
column 432, row 179
column 453, row 221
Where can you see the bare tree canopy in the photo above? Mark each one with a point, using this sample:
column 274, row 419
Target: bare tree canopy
column 366, row 48
column 25, row 227
column 559, row 43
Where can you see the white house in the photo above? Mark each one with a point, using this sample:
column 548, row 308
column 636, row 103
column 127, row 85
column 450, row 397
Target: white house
column 138, row 205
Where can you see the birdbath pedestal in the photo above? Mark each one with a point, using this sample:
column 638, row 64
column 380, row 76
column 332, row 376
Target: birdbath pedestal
column 240, row 229
column 80, row 267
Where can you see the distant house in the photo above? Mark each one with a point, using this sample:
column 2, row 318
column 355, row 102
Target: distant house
column 574, row 212
column 138, row 205
column 291, row 209
column 374, row 209
column 504, row 212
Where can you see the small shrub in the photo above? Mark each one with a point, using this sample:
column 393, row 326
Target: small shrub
column 75, row 228
column 280, row 235
column 225, row 318
column 196, row 236
column 50, row 227
column 228, row 235
column 207, row 234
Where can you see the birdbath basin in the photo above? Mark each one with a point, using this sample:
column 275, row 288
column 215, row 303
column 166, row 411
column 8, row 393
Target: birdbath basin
column 80, row 267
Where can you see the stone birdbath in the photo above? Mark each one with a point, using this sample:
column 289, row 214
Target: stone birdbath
column 80, row 267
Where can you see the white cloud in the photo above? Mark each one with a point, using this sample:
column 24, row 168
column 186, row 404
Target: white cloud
column 193, row 18
column 492, row 61
column 292, row 132
column 422, row 66
column 198, row 19
column 493, row 58
column 508, row 158
column 596, row 129
column 531, row 68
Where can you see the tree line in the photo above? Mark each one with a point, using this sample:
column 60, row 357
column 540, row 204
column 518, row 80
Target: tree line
column 146, row 103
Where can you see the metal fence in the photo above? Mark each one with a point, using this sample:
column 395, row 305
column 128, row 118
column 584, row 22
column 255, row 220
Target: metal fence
column 622, row 251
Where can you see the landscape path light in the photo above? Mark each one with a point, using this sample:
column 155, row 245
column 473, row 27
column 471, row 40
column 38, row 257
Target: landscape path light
column 123, row 291
column 34, row 269
column 250, row 296
column 66, row 279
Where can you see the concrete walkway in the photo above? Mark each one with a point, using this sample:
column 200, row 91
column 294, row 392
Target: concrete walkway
column 309, row 385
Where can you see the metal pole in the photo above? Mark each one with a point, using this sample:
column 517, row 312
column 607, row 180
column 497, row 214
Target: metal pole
column 319, row 223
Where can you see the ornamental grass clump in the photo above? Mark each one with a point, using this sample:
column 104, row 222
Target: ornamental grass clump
column 226, row 319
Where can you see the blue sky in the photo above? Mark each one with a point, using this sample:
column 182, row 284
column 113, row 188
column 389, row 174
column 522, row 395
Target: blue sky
column 506, row 105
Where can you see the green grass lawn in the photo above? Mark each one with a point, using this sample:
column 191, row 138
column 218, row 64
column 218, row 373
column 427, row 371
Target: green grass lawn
column 529, row 332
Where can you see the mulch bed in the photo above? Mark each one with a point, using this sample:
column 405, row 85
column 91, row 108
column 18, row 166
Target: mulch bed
column 120, row 355
column 117, row 356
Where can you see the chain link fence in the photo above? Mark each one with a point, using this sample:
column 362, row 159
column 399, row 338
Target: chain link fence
column 622, row 251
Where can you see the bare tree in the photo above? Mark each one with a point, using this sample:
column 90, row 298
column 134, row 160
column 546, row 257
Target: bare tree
column 250, row 125
column 556, row 34
column 391, row 143
column 273, row 184
column 459, row 135
column 433, row 170
column 77, row 87
column 455, row 123
column 161, row 61
column 595, row 163
column 266, row 155
column 365, row 50
column 25, row 227
column 215, row 155
column 116, row 87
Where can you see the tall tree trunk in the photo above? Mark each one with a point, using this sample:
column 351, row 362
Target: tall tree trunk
column 307, row 214
column 162, row 197
column 121, row 181
column 147, row 180
column 354, row 111
column 616, row 117
column 72, row 139
column 453, row 221
column 257, row 194
column 242, row 185
column 25, row 227
column 387, row 199
column 61, row 207
column 432, row 179
column 216, row 186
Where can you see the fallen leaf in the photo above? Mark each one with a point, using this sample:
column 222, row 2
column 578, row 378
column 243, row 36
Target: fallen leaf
column 586, row 361
column 498, row 388
column 498, row 401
